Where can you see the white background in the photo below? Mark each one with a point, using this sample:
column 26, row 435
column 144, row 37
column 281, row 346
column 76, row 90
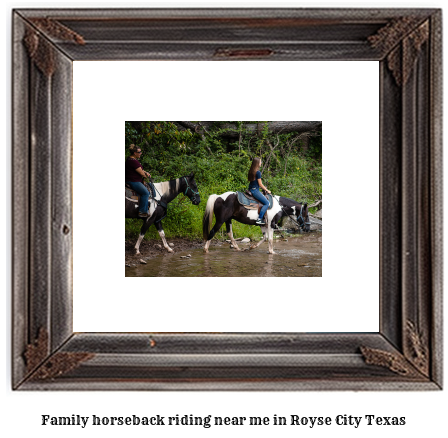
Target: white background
column 347, row 101
column 425, row 412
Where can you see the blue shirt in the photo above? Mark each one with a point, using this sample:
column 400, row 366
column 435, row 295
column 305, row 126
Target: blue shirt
column 254, row 184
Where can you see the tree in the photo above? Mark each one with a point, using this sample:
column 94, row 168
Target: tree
column 168, row 145
column 229, row 129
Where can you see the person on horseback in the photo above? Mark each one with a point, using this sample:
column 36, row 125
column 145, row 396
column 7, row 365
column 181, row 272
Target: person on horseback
column 254, row 187
column 134, row 175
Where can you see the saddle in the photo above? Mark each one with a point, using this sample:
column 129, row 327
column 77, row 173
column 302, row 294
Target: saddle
column 134, row 196
column 250, row 203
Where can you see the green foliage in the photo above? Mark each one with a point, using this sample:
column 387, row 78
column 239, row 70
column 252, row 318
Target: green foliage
column 221, row 164
column 315, row 147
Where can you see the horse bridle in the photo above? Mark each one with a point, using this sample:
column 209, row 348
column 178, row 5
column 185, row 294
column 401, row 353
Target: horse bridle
column 165, row 205
column 192, row 198
column 299, row 218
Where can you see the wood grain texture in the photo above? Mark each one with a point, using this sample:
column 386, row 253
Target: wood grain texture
column 20, row 208
column 391, row 212
column 61, row 201
column 406, row 354
column 436, row 195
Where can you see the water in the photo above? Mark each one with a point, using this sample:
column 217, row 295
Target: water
column 297, row 257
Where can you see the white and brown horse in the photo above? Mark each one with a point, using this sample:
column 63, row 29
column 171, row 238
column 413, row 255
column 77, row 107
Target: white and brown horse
column 165, row 192
column 226, row 207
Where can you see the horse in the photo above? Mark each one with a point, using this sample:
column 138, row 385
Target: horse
column 165, row 192
column 226, row 207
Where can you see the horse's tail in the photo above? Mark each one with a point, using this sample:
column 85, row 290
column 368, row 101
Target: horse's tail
column 208, row 216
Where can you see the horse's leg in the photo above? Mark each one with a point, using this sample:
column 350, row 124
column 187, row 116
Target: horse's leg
column 137, row 245
column 256, row 245
column 159, row 227
column 207, row 244
column 223, row 212
column 146, row 224
column 271, row 240
column 213, row 231
column 230, row 234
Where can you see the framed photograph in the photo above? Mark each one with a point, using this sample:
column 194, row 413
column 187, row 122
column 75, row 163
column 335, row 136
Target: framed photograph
column 223, row 164
column 50, row 353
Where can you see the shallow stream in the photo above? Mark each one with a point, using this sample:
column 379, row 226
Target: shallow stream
column 299, row 256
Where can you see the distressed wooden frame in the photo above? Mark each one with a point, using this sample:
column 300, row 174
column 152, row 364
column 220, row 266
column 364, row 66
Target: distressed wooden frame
column 406, row 354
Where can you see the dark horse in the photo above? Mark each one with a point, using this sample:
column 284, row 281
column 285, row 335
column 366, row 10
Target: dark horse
column 165, row 192
column 226, row 207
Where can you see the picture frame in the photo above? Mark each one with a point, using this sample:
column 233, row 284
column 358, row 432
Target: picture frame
column 406, row 353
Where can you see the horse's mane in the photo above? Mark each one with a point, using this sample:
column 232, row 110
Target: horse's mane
column 293, row 201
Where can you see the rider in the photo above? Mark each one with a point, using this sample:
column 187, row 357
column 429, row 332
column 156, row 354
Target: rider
column 134, row 175
column 254, row 187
